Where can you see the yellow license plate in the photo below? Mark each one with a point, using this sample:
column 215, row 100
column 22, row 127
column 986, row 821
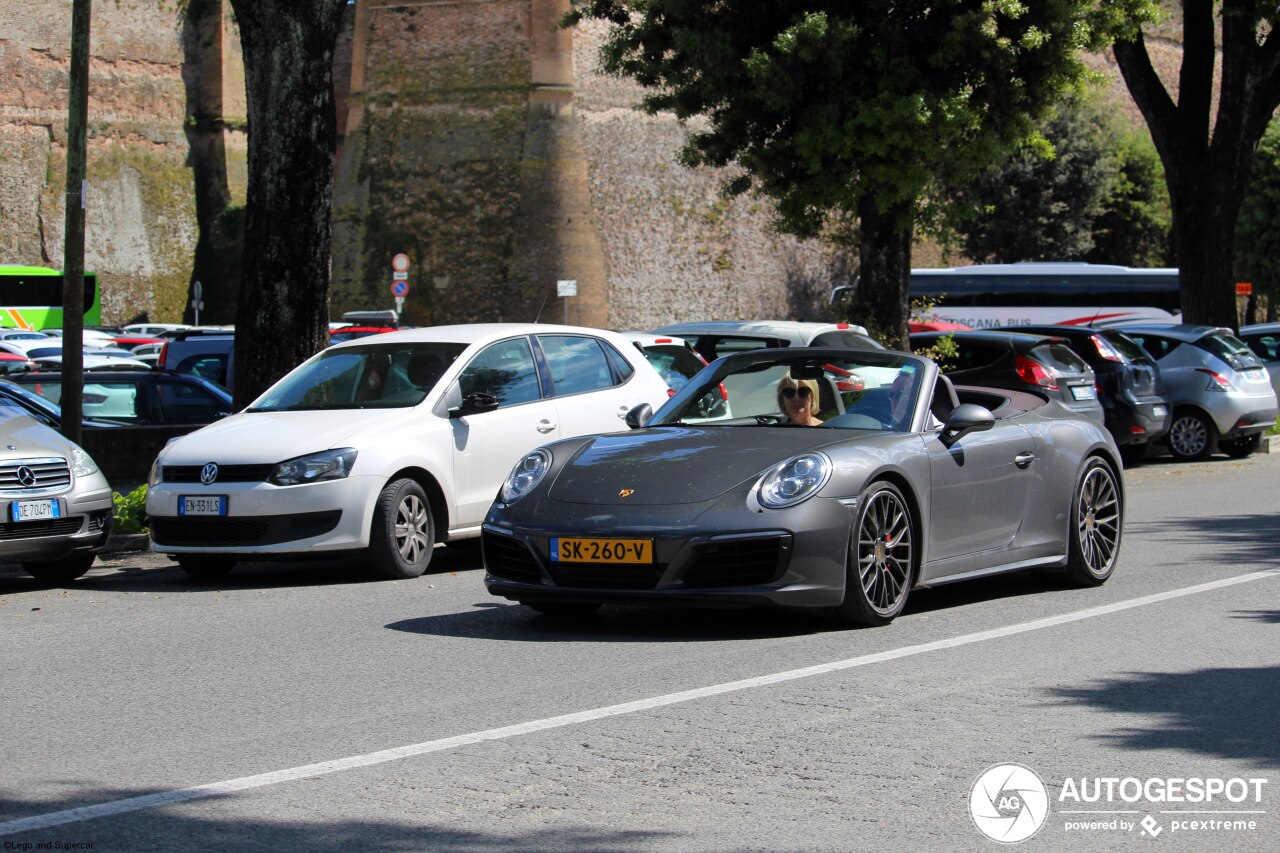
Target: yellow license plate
column 601, row 550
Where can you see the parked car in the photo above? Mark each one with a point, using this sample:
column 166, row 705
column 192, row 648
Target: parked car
column 1264, row 340
column 13, row 363
column 207, row 353
column 22, row 335
column 95, row 361
column 138, row 396
column 42, row 409
column 1044, row 364
column 1128, row 380
column 387, row 444
column 351, row 332
column 153, row 329
column 1219, row 391
column 58, row 506
column 842, row 518
column 719, row 338
column 674, row 358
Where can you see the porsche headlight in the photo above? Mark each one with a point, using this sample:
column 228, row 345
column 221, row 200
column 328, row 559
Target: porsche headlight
column 82, row 463
column 329, row 465
column 795, row 480
column 527, row 474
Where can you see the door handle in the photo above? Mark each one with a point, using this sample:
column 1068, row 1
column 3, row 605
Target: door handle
column 545, row 426
column 1022, row 460
column 623, row 409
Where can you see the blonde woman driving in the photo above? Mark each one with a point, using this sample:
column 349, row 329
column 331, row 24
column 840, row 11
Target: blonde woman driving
column 798, row 398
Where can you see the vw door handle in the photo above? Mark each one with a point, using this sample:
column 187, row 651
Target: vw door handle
column 1022, row 460
column 545, row 426
column 623, row 409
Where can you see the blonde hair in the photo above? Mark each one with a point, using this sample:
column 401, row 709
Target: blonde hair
column 787, row 382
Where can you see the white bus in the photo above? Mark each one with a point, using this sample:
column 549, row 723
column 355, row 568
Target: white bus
column 1026, row 294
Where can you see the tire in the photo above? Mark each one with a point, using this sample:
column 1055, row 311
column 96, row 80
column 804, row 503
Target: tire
column 1192, row 436
column 1239, row 448
column 1097, row 513
column 563, row 609
column 1132, row 454
column 880, row 566
column 60, row 571
column 207, row 568
column 403, row 535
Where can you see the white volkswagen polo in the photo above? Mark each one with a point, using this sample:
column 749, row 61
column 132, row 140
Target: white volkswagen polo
column 388, row 444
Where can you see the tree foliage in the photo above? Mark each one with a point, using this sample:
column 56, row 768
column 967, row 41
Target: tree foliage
column 1206, row 143
column 856, row 109
column 1096, row 195
column 1257, row 256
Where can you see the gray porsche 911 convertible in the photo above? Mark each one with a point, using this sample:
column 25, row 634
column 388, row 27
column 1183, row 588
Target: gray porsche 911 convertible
column 829, row 479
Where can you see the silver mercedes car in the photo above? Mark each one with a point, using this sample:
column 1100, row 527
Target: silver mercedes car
column 772, row 479
column 57, row 504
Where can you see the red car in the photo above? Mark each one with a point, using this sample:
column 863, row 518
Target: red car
column 14, row 363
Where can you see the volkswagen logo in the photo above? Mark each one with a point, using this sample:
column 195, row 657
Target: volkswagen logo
column 26, row 476
column 209, row 473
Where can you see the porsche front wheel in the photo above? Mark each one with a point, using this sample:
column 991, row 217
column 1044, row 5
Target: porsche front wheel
column 881, row 559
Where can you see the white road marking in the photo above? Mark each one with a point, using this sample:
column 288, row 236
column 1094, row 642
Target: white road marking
column 323, row 768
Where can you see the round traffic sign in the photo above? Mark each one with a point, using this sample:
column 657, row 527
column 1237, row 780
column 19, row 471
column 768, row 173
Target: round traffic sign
column 399, row 288
column 400, row 262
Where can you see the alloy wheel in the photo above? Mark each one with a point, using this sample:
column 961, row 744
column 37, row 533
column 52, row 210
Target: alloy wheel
column 885, row 552
column 413, row 528
column 1098, row 521
column 1188, row 437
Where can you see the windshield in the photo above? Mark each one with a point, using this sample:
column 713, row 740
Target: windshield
column 386, row 376
column 766, row 388
column 1230, row 349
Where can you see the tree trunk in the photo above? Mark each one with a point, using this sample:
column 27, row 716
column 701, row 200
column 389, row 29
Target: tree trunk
column 1207, row 161
column 880, row 302
column 283, row 311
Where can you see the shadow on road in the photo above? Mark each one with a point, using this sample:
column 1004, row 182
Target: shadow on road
column 1221, row 712
column 1253, row 538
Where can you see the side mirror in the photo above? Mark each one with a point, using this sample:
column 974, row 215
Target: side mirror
column 639, row 416
column 472, row 404
column 966, row 418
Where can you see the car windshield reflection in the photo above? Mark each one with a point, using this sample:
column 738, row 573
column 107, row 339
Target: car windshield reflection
column 860, row 391
column 389, row 376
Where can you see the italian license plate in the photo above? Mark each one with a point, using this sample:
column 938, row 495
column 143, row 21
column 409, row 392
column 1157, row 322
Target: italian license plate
column 1159, row 411
column 202, row 505
column 33, row 510
column 1083, row 392
column 619, row 551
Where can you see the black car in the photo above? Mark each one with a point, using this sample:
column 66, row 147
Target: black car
column 1129, row 385
column 137, row 397
column 1044, row 364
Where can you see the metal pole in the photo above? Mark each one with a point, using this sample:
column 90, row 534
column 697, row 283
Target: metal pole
column 73, row 231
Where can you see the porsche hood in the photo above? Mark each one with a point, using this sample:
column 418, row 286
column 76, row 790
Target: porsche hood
column 676, row 464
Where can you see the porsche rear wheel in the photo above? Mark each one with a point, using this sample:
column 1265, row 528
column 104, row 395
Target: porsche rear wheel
column 881, row 560
column 1096, row 514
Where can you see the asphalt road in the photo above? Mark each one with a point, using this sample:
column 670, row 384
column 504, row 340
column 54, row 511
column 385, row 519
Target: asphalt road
column 302, row 707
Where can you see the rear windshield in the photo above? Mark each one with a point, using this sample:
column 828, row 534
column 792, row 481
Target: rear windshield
column 675, row 364
column 1060, row 358
column 1126, row 346
column 845, row 338
column 1230, row 349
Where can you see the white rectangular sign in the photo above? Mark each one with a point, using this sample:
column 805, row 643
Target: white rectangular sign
column 567, row 287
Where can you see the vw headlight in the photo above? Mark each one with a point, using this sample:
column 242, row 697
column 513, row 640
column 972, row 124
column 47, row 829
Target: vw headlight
column 329, row 465
column 795, row 480
column 82, row 463
column 527, row 474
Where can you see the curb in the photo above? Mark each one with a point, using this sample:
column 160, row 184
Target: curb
column 125, row 542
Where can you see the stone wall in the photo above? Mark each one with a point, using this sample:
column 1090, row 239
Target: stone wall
column 140, row 221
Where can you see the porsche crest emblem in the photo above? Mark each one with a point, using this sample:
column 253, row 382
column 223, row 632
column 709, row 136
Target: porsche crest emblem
column 626, row 493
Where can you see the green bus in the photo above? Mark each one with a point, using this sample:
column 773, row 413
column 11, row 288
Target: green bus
column 31, row 298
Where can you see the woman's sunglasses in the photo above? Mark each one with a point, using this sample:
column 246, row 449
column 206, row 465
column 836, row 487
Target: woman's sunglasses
column 791, row 392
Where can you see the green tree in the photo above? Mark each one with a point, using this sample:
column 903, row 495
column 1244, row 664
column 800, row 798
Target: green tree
column 1038, row 207
column 850, row 110
column 1206, row 157
column 1257, row 256
column 1133, row 228
column 283, row 309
